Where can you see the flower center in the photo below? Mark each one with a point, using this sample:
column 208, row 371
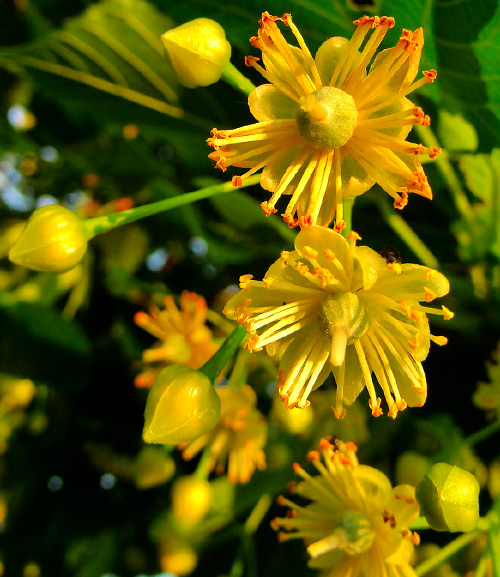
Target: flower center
column 354, row 532
column 327, row 118
column 342, row 317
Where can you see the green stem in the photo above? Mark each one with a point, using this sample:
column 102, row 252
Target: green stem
column 406, row 233
column 347, row 214
column 213, row 367
column 239, row 371
column 444, row 166
column 452, row 548
column 469, row 441
column 102, row 224
column 236, row 79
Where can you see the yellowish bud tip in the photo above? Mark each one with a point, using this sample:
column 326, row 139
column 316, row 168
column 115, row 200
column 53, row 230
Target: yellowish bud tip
column 182, row 405
column 198, row 51
column 53, row 241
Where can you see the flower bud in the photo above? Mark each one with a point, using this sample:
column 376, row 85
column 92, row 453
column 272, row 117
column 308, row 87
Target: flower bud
column 153, row 467
column 449, row 498
column 182, row 405
column 198, row 51
column 177, row 557
column 53, row 241
column 190, row 499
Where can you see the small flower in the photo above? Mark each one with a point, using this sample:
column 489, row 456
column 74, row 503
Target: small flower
column 238, row 439
column 339, row 308
column 329, row 127
column 183, row 336
column 356, row 523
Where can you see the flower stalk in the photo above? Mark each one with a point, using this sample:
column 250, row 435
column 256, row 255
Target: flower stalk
column 102, row 224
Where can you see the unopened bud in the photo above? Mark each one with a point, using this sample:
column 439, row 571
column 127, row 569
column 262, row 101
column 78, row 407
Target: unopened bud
column 449, row 498
column 190, row 499
column 198, row 51
column 53, row 241
column 182, row 405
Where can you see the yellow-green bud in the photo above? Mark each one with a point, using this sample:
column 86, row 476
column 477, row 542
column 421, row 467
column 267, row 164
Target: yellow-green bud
column 449, row 498
column 182, row 405
column 53, row 241
column 153, row 467
column 198, row 51
column 190, row 499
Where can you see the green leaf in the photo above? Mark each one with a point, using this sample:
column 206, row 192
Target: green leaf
column 37, row 343
column 455, row 133
column 110, row 55
column 468, row 42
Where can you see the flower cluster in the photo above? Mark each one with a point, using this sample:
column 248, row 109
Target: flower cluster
column 356, row 523
column 330, row 127
column 183, row 336
column 238, row 439
column 341, row 308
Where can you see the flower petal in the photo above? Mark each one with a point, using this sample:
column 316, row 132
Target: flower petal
column 268, row 103
column 328, row 55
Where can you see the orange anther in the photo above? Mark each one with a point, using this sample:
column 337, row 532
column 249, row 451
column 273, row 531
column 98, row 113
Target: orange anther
column 387, row 21
column 244, row 280
column 353, row 236
column 255, row 41
column 447, row 313
column 268, row 210
column 430, row 295
column 236, row 181
column 297, row 469
column 350, row 446
column 339, row 414
column 416, row 342
column 284, row 255
column 290, row 221
column 310, row 252
column 313, row 456
column 393, row 411
column 339, row 226
column 430, row 75
column 375, row 407
column 434, row 151
column 401, row 405
column 329, row 254
column 440, row 340
column 418, row 112
column 286, row 19
column 305, row 221
column 251, row 60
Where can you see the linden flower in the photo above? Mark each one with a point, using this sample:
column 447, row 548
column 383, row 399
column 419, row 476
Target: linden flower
column 327, row 127
column 356, row 523
column 237, row 440
column 342, row 308
column 184, row 337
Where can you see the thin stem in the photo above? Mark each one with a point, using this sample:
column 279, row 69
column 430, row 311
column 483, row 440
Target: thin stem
column 469, row 441
column 445, row 167
column 347, row 216
column 102, row 224
column 213, row 367
column 236, row 79
column 452, row 548
column 407, row 235
column 239, row 372
column 202, row 470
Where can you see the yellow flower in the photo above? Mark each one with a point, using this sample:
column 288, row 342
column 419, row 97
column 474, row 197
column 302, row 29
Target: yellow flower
column 342, row 308
column 238, row 439
column 356, row 523
column 330, row 127
column 183, row 336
